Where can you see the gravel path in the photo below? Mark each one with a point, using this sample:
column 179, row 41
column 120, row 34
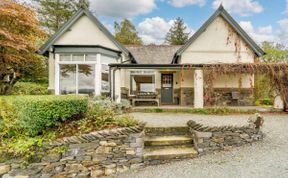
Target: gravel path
column 266, row 159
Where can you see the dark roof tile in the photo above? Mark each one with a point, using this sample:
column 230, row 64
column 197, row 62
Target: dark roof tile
column 153, row 54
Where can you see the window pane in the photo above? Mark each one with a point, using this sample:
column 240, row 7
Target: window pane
column 67, row 78
column 105, row 82
column 86, row 79
column 78, row 57
column 105, row 60
column 65, row 57
column 142, row 84
column 90, row 57
column 108, row 60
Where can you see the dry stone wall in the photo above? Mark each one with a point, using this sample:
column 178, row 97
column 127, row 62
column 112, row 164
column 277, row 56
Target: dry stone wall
column 208, row 139
column 223, row 97
column 90, row 155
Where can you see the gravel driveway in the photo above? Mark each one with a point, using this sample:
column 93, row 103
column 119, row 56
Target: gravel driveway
column 266, row 159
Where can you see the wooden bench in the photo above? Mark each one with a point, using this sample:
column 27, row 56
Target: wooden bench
column 145, row 99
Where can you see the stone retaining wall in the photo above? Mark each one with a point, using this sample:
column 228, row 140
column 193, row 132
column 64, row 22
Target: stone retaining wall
column 208, row 139
column 223, row 97
column 187, row 96
column 90, row 155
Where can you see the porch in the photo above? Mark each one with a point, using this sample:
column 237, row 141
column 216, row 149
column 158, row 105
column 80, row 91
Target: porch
column 177, row 85
column 157, row 85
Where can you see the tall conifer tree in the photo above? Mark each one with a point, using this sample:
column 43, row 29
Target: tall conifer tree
column 177, row 34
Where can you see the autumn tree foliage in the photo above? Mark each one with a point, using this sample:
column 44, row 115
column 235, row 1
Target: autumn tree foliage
column 19, row 35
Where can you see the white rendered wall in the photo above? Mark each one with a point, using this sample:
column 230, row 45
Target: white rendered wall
column 233, row 81
column 85, row 32
column 217, row 45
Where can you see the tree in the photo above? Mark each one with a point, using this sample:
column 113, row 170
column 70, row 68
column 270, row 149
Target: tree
column 54, row 13
column 177, row 34
column 126, row 33
column 19, row 35
column 274, row 52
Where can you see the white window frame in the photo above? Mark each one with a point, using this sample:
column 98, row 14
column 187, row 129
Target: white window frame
column 141, row 72
column 96, row 63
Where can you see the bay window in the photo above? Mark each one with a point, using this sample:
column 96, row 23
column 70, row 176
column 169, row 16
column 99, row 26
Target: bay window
column 79, row 74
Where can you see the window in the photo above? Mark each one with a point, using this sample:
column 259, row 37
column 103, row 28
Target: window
column 67, row 79
column 78, row 57
column 90, row 57
column 105, row 60
column 86, row 78
column 77, row 73
column 77, row 78
column 141, row 82
column 65, row 57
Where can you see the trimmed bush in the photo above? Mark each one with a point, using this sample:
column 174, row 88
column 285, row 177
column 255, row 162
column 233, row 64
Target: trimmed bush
column 29, row 88
column 106, row 103
column 33, row 114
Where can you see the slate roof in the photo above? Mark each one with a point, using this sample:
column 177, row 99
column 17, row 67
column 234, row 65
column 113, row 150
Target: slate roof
column 153, row 54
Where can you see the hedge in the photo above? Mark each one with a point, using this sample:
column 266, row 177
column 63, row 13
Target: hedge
column 29, row 88
column 33, row 114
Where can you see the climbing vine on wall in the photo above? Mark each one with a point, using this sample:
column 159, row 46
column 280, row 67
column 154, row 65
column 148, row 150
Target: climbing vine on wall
column 277, row 72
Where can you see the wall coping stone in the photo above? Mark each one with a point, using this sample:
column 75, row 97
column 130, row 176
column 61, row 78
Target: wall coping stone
column 86, row 138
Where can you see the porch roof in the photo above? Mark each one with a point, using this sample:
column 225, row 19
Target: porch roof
column 153, row 54
column 154, row 66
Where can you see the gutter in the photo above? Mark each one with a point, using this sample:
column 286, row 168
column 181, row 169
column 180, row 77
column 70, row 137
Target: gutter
column 153, row 66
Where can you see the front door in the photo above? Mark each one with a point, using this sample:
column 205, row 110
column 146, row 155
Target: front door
column 167, row 89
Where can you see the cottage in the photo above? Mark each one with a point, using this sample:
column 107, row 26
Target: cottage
column 85, row 58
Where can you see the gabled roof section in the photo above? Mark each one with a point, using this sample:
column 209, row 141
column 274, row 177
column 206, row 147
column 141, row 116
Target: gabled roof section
column 82, row 11
column 223, row 13
column 153, row 54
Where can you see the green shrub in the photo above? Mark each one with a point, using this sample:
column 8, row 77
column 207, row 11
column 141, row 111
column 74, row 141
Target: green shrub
column 35, row 113
column 106, row 103
column 29, row 88
column 125, row 121
column 106, row 115
column 264, row 102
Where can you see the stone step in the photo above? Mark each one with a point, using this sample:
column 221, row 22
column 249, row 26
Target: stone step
column 161, row 131
column 169, row 152
column 167, row 140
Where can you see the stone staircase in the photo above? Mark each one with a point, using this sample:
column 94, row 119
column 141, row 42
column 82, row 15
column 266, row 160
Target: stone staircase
column 162, row 144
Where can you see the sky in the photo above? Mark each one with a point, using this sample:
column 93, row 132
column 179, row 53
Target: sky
column 263, row 20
